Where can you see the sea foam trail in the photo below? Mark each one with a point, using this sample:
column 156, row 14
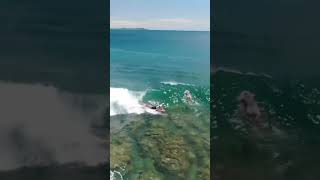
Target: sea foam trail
column 174, row 83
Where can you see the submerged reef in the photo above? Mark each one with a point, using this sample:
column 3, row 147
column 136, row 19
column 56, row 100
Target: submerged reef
column 169, row 152
column 175, row 146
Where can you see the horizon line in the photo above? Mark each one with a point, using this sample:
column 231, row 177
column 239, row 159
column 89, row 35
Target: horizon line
column 148, row 29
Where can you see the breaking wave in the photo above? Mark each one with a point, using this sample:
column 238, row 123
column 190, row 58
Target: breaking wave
column 124, row 101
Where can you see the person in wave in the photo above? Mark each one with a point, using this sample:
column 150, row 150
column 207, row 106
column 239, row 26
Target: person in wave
column 248, row 105
column 250, row 109
column 158, row 108
column 187, row 96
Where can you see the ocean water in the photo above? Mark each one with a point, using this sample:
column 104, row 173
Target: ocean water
column 156, row 67
column 289, row 102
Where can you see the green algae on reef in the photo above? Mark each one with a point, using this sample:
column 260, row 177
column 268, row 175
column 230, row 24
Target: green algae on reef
column 175, row 146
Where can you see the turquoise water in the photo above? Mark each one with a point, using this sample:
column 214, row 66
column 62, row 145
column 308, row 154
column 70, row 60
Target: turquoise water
column 157, row 67
column 146, row 58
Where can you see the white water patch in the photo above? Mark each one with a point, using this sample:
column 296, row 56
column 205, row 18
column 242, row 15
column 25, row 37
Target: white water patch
column 124, row 101
column 174, row 83
column 114, row 174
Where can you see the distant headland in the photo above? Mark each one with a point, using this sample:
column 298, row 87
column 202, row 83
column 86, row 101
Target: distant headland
column 129, row 29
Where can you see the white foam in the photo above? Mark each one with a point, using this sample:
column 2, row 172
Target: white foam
column 174, row 83
column 124, row 101
column 115, row 173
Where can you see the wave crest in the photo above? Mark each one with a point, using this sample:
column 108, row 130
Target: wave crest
column 174, row 83
column 123, row 101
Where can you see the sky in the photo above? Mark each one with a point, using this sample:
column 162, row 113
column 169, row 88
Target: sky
column 161, row 14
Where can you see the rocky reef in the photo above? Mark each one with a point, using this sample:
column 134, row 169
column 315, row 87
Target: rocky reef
column 120, row 152
column 163, row 147
column 170, row 152
column 119, row 155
